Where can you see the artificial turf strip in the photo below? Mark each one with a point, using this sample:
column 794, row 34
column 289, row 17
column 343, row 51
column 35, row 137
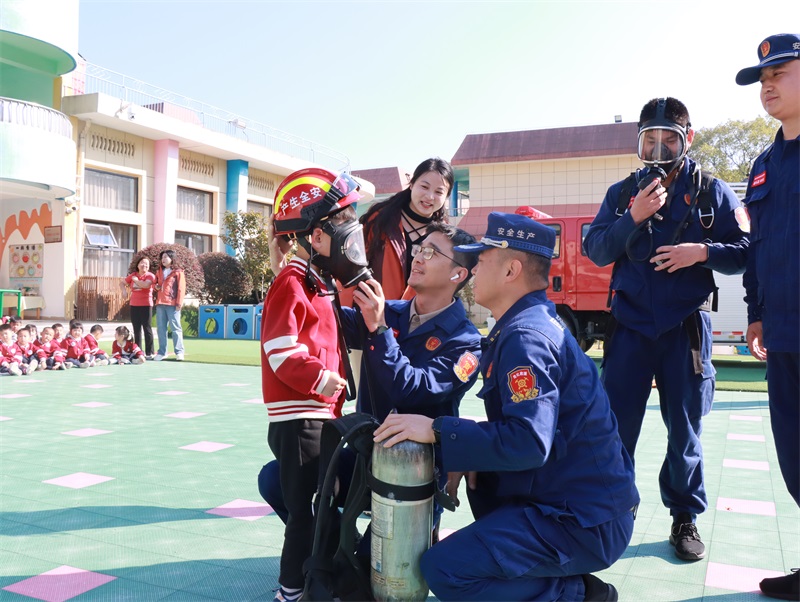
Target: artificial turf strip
column 734, row 373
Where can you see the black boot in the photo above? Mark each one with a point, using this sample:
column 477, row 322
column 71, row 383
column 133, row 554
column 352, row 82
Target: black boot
column 782, row 588
column 598, row 590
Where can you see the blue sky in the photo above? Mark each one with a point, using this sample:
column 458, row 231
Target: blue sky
column 391, row 83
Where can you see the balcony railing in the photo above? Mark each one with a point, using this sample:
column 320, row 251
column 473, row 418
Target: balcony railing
column 99, row 80
column 33, row 115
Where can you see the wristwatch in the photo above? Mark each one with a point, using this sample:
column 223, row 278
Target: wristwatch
column 437, row 428
column 378, row 331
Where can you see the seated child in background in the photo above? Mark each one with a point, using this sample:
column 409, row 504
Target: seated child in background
column 124, row 350
column 34, row 332
column 30, row 360
column 99, row 357
column 50, row 353
column 58, row 333
column 10, row 356
column 16, row 324
column 77, row 348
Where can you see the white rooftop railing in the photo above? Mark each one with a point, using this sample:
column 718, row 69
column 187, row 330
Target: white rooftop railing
column 99, row 80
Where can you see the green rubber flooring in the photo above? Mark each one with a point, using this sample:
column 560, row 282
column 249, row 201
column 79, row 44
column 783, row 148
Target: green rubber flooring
column 139, row 483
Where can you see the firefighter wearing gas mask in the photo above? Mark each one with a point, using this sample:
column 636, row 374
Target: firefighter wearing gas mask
column 666, row 228
column 303, row 358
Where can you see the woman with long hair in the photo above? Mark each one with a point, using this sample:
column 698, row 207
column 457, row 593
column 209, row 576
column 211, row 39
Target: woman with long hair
column 171, row 287
column 394, row 225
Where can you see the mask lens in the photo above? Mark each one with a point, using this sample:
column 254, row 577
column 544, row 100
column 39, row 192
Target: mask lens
column 658, row 146
column 354, row 248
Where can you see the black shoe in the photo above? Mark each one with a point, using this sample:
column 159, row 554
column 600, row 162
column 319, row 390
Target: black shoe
column 686, row 539
column 598, row 590
column 782, row 588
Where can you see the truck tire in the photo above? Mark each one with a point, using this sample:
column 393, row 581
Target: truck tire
column 568, row 317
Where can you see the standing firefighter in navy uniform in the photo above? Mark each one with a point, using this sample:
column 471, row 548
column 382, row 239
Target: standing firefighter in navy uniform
column 667, row 227
column 549, row 482
column 772, row 278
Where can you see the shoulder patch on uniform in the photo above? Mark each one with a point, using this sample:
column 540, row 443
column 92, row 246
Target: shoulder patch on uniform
column 742, row 218
column 522, row 384
column 465, row 366
column 432, row 343
column 759, row 179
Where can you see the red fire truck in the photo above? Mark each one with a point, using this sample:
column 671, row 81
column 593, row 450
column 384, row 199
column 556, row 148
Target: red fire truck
column 578, row 287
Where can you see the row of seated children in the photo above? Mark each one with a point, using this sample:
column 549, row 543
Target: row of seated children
column 22, row 352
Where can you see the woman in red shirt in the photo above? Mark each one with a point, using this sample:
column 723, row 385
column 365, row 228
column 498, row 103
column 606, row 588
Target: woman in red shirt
column 141, row 283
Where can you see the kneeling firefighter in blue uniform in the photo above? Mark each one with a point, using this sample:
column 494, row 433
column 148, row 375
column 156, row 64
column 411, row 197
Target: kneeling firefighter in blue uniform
column 667, row 228
column 549, row 482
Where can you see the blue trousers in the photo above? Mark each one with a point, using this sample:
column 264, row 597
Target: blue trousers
column 169, row 314
column 783, row 384
column 517, row 552
column 630, row 364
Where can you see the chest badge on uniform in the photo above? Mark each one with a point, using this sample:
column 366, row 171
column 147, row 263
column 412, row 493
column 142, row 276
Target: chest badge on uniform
column 522, row 384
column 465, row 366
column 432, row 343
column 759, row 179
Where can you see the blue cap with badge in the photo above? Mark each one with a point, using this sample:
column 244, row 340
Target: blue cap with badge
column 774, row 50
column 518, row 232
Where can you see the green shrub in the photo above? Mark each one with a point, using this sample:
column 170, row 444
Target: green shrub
column 226, row 280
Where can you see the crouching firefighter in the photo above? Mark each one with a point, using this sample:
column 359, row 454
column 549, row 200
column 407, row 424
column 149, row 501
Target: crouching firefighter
column 304, row 372
column 666, row 228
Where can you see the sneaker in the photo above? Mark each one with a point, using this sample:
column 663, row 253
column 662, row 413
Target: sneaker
column 102, row 363
column 782, row 588
column 158, row 358
column 41, row 366
column 149, row 357
column 287, row 595
column 33, row 366
column 84, row 365
column 178, row 357
column 138, row 360
column 686, row 539
column 14, row 369
column 599, row 590
column 65, row 365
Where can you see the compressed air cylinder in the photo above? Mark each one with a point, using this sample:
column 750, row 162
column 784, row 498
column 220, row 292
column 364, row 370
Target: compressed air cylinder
column 401, row 528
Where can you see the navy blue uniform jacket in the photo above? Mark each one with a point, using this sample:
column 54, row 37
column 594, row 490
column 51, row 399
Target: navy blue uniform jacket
column 653, row 302
column 772, row 279
column 424, row 372
column 551, row 439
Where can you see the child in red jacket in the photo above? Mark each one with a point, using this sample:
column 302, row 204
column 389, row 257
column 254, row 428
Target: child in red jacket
column 78, row 352
column 10, row 356
column 30, row 361
column 99, row 357
column 124, row 350
column 49, row 351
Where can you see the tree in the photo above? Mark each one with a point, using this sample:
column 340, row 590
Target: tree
column 467, row 295
column 225, row 278
column 729, row 149
column 184, row 259
column 246, row 233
